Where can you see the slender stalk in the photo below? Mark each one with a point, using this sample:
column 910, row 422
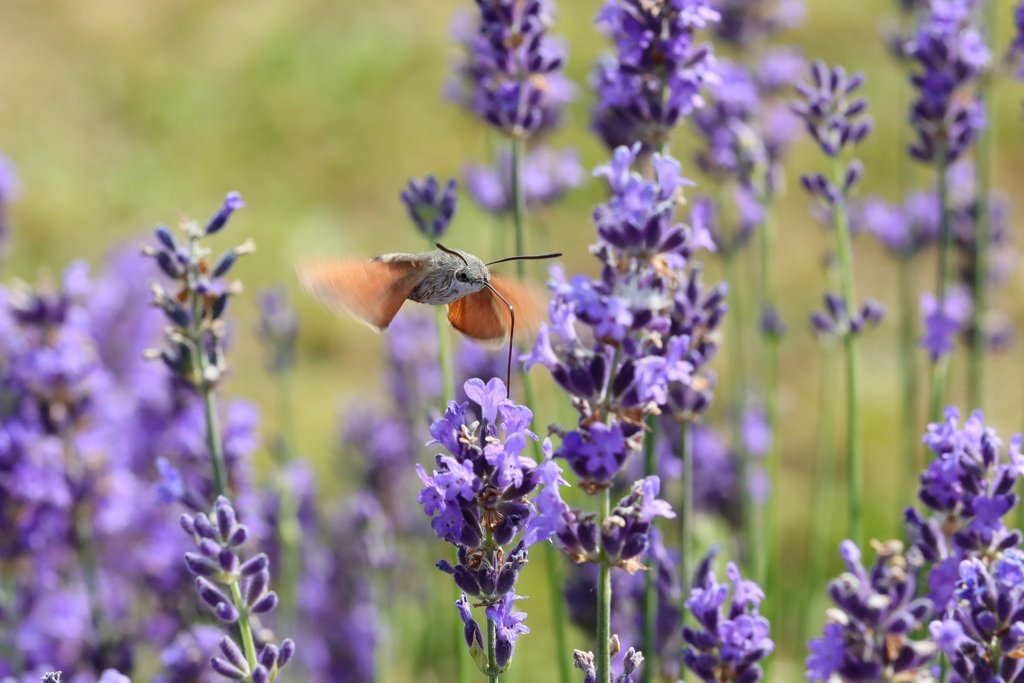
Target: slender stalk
column 604, row 603
column 650, row 604
column 854, row 465
column 771, row 398
column 244, row 627
column 753, row 545
column 940, row 368
column 492, row 661
column 554, row 575
column 986, row 142
column 686, row 512
column 824, row 484
column 289, row 530
column 912, row 461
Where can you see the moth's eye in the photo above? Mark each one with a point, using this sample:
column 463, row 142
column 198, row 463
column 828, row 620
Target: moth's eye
column 460, row 275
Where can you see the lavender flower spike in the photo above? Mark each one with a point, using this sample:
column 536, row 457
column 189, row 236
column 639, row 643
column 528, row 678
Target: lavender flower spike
column 730, row 638
column 233, row 589
column 430, row 206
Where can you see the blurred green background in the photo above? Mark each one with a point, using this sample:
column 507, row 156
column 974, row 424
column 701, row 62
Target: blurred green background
column 121, row 114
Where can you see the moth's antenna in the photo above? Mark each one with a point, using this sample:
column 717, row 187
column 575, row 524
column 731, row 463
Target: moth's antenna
column 511, row 335
column 536, row 257
column 452, row 252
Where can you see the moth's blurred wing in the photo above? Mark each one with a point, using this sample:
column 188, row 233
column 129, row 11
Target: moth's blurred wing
column 369, row 291
column 485, row 318
column 529, row 302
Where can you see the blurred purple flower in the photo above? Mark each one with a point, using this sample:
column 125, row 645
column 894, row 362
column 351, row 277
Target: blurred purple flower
column 547, row 175
column 942, row 321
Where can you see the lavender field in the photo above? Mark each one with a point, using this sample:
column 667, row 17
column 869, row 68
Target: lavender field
column 756, row 416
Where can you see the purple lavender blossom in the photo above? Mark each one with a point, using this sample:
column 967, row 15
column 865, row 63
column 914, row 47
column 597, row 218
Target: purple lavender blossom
column 731, row 637
column 746, row 22
column 194, row 351
column 950, row 55
column 836, row 321
column 547, row 175
column 983, row 634
column 657, row 73
column 631, row 662
column 233, row 590
column 870, row 635
column 10, row 188
column 835, row 118
column 943, row 321
column 905, row 230
column 476, row 499
column 430, row 206
column 969, row 488
column 511, row 75
column 651, row 332
column 278, row 329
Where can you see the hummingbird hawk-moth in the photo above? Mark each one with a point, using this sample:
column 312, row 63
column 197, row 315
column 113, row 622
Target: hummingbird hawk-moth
column 482, row 305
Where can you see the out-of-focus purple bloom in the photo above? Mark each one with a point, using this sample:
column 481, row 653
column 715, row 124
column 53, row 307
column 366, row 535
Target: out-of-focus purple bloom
column 942, row 321
column 511, row 75
column 430, row 206
column 950, row 54
column 836, row 320
column 547, row 175
column 907, row 229
column 731, row 638
column 833, row 114
column 871, row 632
column 1017, row 49
column 657, row 73
column 10, row 189
column 746, row 22
column 278, row 329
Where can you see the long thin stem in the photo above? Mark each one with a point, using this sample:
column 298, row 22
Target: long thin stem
column 492, row 661
column 289, row 529
column 986, row 141
column 753, row 545
column 854, row 466
column 940, row 367
column 912, row 461
column 686, row 512
column 244, row 627
column 650, row 604
column 604, row 603
column 554, row 575
column 771, row 397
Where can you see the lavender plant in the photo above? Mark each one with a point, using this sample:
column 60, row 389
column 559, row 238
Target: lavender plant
column 234, row 590
column 950, row 55
column 477, row 500
column 870, row 634
column 10, row 188
column 835, row 118
column 730, row 638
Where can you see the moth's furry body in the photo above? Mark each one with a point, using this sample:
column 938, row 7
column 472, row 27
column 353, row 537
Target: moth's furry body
column 446, row 278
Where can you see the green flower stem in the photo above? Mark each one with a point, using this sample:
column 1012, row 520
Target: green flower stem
column 650, row 603
column 244, row 627
column 492, row 661
column 769, row 289
column 908, row 356
column 984, row 152
column 554, row 576
column 686, row 513
column 289, row 529
column 940, row 368
column 604, row 602
column 854, row 464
